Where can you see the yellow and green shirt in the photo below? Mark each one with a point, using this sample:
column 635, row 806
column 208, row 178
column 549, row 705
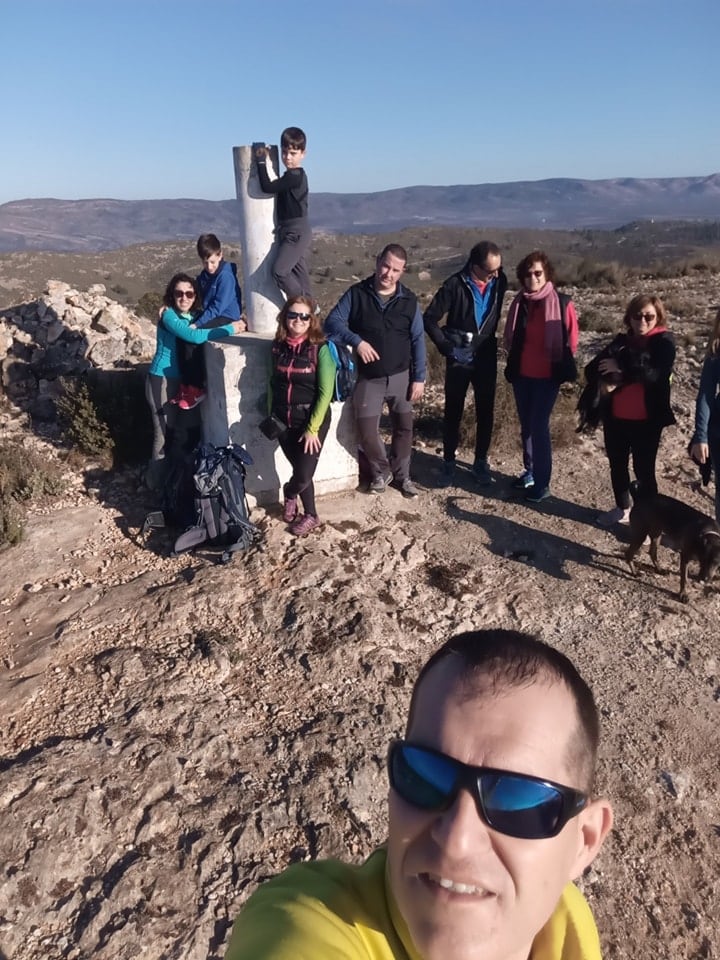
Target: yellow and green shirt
column 328, row 910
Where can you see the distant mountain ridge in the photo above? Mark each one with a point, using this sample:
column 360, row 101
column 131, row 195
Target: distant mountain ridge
column 102, row 224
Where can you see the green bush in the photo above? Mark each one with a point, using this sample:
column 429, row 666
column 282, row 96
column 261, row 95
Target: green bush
column 105, row 414
column 81, row 424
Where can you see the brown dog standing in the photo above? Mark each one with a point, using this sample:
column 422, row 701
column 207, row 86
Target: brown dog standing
column 695, row 535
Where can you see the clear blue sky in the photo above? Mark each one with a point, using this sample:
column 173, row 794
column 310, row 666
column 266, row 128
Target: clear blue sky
column 146, row 98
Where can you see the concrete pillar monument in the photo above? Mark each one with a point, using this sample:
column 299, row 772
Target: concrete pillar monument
column 261, row 295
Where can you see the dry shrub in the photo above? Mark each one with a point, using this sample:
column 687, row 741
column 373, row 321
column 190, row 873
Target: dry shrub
column 24, row 476
column 677, row 306
column 435, row 364
column 596, row 321
column 506, row 431
column 149, row 304
column 687, row 339
column 591, row 273
column 564, row 418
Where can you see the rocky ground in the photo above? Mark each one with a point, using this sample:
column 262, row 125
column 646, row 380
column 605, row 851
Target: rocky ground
column 174, row 731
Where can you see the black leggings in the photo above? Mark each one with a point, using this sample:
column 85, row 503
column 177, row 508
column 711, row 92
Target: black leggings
column 458, row 378
column 640, row 439
column 304, row 464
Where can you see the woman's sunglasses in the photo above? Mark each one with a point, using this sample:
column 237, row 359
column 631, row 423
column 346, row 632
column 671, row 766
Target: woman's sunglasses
column 294, row 315
column 184, row 295
column 511, row 803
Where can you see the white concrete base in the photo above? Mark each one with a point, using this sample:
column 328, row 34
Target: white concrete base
column 237, row 388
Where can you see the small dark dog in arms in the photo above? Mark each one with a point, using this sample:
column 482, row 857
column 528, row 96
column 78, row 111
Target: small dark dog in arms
column 696, row 536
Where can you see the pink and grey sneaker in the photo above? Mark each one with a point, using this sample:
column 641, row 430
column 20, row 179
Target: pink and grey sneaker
column 304, row 524
column 181, row 395
column 191, row 398
column 290, row 509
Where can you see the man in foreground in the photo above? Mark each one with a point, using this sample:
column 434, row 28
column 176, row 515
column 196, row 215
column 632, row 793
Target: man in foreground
column 472, row 302
column 490, row 819
column 381, row 320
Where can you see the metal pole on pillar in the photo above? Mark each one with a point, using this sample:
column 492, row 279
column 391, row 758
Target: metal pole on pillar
column 261, row 295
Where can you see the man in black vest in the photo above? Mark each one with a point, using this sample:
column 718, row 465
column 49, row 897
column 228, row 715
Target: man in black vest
column 472, row 300
column 381, row 320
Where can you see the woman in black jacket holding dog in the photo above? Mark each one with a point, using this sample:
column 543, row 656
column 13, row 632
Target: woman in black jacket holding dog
column 632, row 375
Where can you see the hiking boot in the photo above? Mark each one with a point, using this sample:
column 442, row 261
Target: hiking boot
column 301, row 526
column 378, row 484
column 481, row 473
column 535, row 494
column 447, row 473
column 290, row 509
column 191, row 398
column 407, row 488
column 524, row 481
column 616, row 515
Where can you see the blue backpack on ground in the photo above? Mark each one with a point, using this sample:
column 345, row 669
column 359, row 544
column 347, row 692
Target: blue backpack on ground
column 345, row 372
column 222, row 517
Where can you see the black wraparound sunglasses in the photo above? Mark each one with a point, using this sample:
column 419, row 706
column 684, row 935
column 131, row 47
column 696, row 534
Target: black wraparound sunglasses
column 515, row 804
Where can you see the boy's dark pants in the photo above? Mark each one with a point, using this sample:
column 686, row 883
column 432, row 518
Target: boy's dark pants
column 640, row 439
column 289, row 269
column 482, row 374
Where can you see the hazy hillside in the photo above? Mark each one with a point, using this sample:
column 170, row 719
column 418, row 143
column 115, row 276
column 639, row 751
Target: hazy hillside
column 588, row 256
column 105, row 224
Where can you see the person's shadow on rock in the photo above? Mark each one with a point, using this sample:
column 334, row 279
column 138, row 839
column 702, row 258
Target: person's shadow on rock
column 535, row 547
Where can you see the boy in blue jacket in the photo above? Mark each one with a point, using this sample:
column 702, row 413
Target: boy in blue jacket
column 221, row 304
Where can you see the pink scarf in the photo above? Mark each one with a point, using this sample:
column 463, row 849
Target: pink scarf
column 547, row 295
column 295, row 342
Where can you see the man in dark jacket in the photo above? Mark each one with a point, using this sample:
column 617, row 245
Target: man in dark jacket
column 472, row 301
column 381, row 320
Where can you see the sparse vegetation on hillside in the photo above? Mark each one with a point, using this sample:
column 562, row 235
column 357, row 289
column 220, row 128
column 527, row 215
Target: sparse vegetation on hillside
column 587, row 258
column 24, row 476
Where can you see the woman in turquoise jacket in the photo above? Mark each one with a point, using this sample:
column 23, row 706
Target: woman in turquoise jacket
column 163, row 379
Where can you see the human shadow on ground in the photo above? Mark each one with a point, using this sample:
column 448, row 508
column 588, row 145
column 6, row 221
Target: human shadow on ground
column 501, row 489
column 510, row 539
column 534, row 547
column 426, row 469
